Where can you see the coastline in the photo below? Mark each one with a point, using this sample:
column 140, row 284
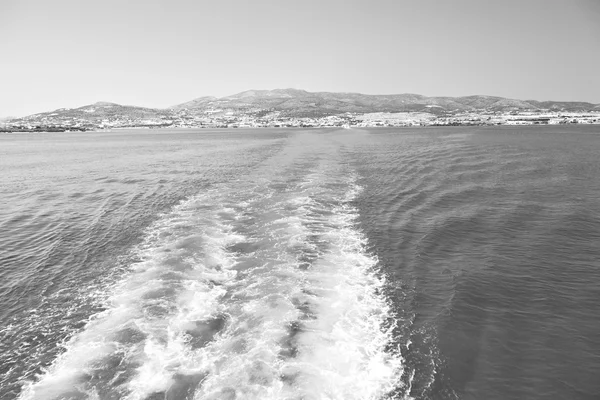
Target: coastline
column 347, row 120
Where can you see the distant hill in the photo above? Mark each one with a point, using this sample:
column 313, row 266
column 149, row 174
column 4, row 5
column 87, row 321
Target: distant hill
column 289, row 103
column 294, row 102
column 200, row 102
column 565, row 105
column 95, row 114
column 101, row 110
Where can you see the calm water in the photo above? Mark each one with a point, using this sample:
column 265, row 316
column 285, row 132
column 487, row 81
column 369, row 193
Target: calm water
column 448, row 263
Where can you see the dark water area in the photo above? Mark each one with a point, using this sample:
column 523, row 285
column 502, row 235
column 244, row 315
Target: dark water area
column 493, row 238
column 446, row 263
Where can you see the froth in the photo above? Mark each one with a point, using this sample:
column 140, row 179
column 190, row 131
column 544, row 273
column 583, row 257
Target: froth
column 311, row 320
column 341, row 349
column 184, row 265
column 257, row 294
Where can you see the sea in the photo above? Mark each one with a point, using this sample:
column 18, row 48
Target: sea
column 301, row 264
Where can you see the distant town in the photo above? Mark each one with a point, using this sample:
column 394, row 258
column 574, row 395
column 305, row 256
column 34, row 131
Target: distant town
column 295, row 108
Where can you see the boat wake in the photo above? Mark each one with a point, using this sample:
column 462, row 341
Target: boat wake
column 262, row 289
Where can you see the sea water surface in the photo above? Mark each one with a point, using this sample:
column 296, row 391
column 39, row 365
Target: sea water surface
column 446, row 263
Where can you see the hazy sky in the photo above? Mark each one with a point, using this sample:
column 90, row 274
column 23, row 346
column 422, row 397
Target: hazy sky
column 67, row 53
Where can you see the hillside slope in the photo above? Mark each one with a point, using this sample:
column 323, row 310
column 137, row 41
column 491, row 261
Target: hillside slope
column 289, row 103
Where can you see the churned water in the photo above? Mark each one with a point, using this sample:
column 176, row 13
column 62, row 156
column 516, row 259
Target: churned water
column 449, row 263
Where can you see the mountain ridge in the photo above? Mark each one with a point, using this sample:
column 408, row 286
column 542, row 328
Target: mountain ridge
column 297, row 101
column 287, row 103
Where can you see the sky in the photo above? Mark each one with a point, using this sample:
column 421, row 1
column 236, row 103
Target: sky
column 158, row 53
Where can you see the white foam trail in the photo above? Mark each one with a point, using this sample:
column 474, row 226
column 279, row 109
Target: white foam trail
column 315, row 333
column 255, row 293
column 342, row 351
column 184, row 265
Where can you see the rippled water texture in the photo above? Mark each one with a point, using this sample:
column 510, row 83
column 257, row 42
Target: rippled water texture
column 450, row 263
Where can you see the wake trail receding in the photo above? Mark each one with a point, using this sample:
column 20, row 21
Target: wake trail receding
column 262, row 291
